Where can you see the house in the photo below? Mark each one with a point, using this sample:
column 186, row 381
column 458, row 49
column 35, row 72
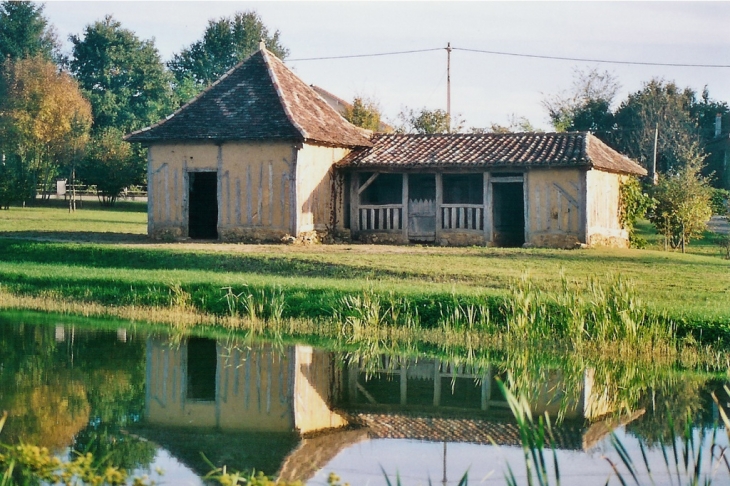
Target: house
column 249, row 159
column 535, row 189
column 260, row 155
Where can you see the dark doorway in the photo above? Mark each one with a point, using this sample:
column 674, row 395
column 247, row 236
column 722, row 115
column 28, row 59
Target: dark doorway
column 508, row 205
column 422, row 207
column 202, row 363
column 203, row 205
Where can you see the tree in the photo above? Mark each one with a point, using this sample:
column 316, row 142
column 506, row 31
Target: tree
column 24, row 31
column 661, row 105
column 683, row 201
column 43, row 115
column 425, row 121
column 587, row 106
column 363, row 113
column 226, row 42
column 122, row 76
column 110, row 164
column 516, row 124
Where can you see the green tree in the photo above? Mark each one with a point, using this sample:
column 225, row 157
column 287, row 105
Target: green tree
column 110, row 164
column 122, row 76
column 587, row 106
column 363, row 113
column 226, row 42
column 42, row 115
column 683, row 200
column 24, row 31
column 516, row 124
column 658, row 104
column 425, row 121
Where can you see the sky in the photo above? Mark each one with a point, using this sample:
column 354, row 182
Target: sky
column 485, row 88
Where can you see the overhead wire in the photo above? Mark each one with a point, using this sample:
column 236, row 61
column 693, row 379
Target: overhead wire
column 517, row 54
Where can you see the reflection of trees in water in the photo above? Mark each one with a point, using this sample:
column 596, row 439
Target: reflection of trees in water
column 679, row 399
column 70, row 387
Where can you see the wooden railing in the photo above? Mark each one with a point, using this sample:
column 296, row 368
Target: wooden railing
column 386, row 217
column 462, row 216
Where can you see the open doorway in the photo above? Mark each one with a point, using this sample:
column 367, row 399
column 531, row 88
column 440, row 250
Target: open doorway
column 203, row 205
column 202, row 366
column 508, row 206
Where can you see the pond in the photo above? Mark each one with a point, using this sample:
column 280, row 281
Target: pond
column 169, row 405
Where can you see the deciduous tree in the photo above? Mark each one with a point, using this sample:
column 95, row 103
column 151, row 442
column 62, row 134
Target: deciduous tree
column 683, row 200
column 122, row 76
column 363, row 113
column 425, row 121
column 587, row 105
column 43, row 115
column 226, row 42
column 110, row 165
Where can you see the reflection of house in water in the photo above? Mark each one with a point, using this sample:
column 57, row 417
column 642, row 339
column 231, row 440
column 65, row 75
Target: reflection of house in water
column 204, row 383
column 256, row 406
column 435, row 400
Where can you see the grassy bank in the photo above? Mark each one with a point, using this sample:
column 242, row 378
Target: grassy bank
column 100, row 257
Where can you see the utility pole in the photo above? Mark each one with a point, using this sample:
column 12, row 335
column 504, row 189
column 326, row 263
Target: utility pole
column 654, row 178
column 448, row 84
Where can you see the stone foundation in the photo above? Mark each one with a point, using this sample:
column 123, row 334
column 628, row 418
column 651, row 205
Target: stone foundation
column 461, row 239
column 608, row 241
column 554, row 240
column 382, row 238
column 166, row 233
column 251, row 235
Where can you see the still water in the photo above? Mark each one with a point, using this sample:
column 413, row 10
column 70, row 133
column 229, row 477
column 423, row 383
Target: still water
column 160, row 404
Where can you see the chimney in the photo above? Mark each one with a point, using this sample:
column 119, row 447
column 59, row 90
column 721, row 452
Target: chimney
column 262, row 45
column 718, row 125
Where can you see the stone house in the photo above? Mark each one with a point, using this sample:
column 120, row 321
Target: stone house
column 260, row 155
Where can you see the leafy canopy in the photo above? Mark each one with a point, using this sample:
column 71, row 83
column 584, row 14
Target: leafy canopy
column 24, row 31
column 44, row 119
column 226, row 42
column 363, row 113
column 122, row 76
column 425, row 121
column 683, row 200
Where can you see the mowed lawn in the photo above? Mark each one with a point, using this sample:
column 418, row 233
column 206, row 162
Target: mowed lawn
column 50, row 249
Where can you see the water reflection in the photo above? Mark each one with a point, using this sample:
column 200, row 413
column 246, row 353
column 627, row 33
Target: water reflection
column 143, row 401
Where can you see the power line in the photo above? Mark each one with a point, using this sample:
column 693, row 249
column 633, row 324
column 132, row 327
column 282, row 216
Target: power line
column 579, row 59
column 517, row 54
column 366, row 55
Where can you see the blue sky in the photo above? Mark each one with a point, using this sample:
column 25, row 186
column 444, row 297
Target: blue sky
column 485, row 88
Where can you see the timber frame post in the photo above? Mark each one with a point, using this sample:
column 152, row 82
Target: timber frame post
column 354, row 203
column 405, row 207
column 487, row 196
column 439, row 203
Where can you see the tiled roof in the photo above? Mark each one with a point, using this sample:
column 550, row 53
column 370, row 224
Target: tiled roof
column 570, row 149
column 447, row 429
column 259, row 99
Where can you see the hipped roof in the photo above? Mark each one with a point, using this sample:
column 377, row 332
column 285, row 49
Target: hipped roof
column 259, row 99
column 518, row 150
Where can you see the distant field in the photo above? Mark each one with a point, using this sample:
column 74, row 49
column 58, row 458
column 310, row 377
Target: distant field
column 101, row 255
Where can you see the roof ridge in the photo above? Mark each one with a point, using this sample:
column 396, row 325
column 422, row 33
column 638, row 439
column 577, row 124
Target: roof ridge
column 280, row 92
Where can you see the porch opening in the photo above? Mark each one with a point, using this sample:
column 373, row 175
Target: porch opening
column 381, row 201
column 202, row 364
column 508, row 205
column 422, row 207
column 203, row 205
column 463, row 202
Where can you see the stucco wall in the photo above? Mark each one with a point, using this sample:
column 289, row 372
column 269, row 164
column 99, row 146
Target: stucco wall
column 315, row 185
column 254, row 188
column 555, row 207
column 603, row 226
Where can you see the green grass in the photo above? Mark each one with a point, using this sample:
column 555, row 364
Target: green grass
column 108, row 261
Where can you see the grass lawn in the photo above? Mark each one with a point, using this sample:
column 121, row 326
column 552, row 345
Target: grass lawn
column 101, row 254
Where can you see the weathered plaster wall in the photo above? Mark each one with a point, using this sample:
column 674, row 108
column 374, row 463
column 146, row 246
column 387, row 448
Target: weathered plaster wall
column 315, row 186
column 554, row 207
column 312, row 391
column 603, row 227
column 254, row 188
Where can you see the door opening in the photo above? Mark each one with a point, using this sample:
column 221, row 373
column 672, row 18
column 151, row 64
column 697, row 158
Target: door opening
column 508, row 205
column 203, row 205
column 422, row 207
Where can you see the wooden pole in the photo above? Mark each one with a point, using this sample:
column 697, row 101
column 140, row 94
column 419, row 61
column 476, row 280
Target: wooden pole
column 448, row 85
